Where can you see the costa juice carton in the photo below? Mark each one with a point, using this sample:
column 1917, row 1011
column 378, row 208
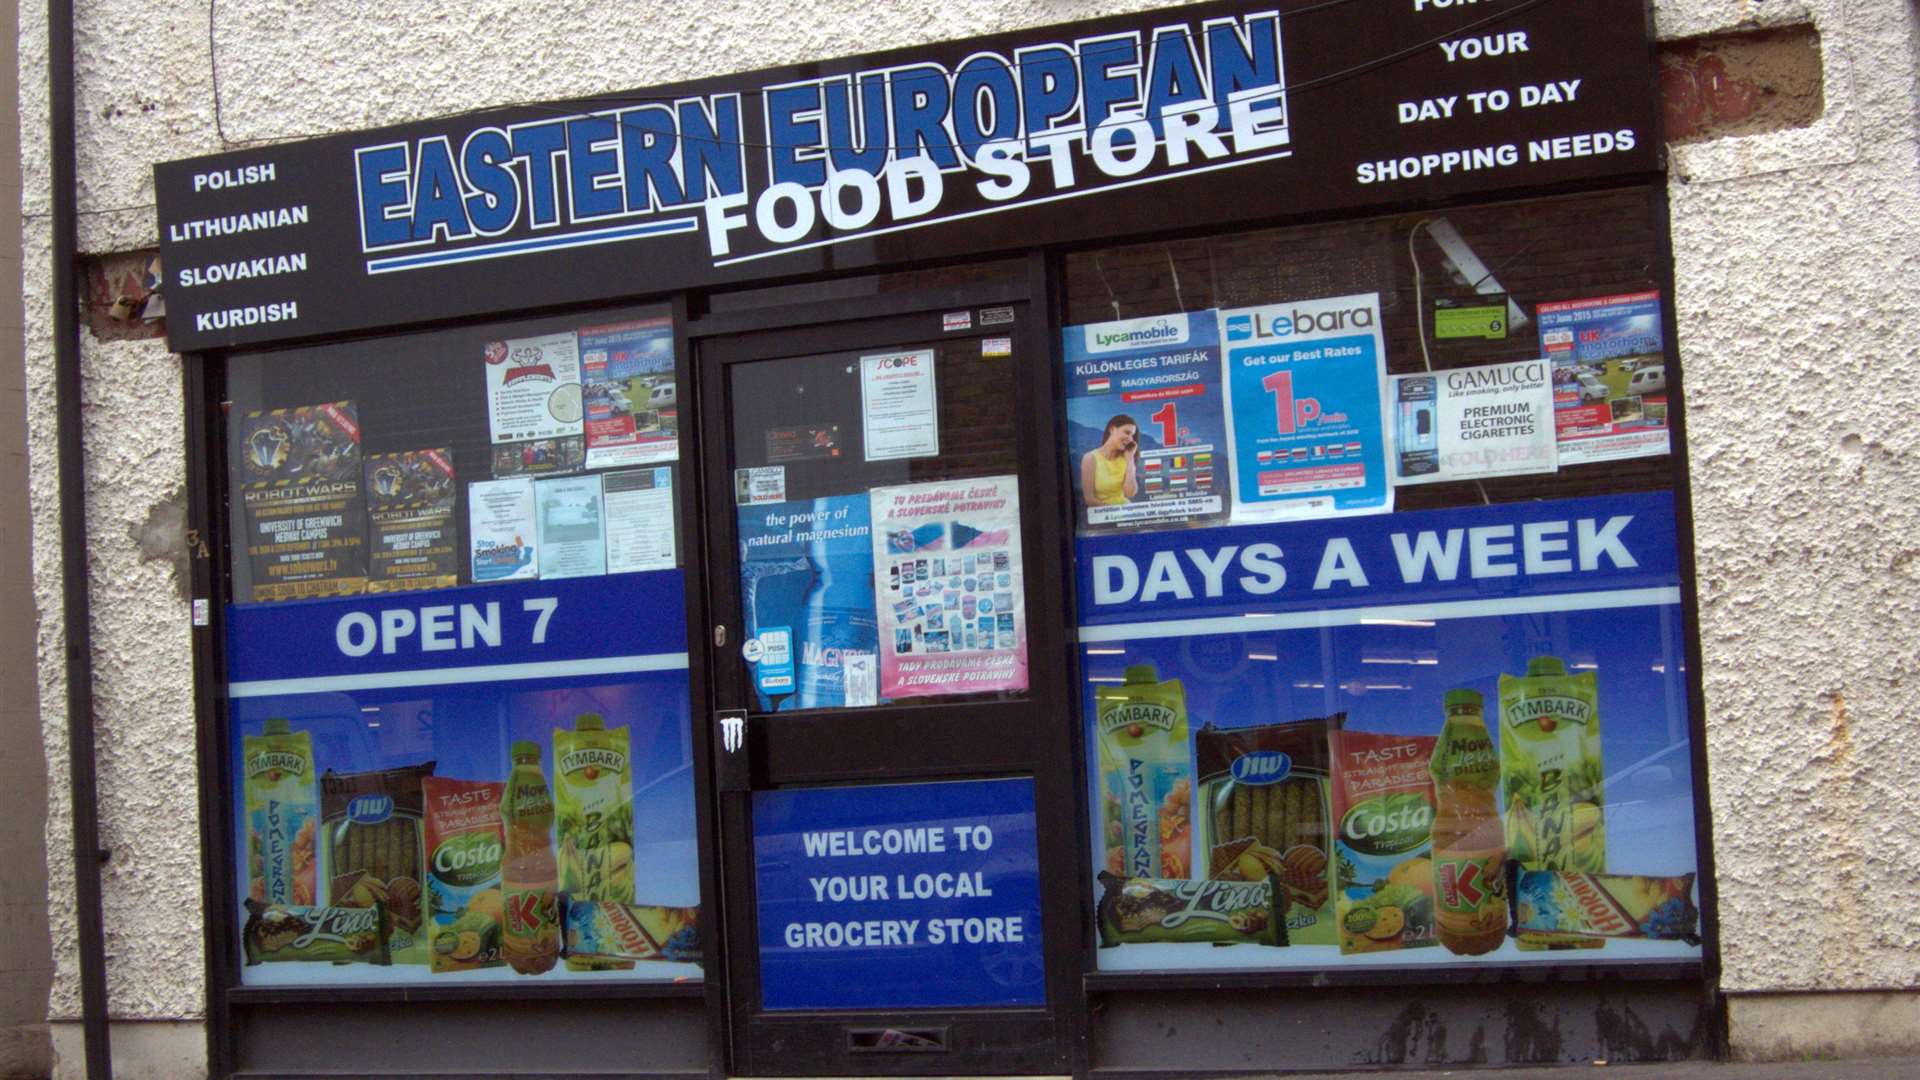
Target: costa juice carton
column 1383, row 866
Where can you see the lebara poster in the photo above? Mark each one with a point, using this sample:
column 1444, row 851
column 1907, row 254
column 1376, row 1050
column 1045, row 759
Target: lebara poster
column 632, row 403
column 806, row 584
column 306, row 514
column 1305, row 386
column 1609, row 376
column 947, row 569
column 1147, row 422
column 410, row 499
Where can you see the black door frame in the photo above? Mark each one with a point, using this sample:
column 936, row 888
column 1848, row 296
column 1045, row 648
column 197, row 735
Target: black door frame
column 745, row 1039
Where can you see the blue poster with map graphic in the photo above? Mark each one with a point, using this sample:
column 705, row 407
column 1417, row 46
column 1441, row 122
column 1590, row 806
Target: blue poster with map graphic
column 1305, row 381
column 806, row 585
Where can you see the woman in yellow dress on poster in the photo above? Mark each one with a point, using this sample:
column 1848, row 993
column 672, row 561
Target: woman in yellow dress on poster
column 1107, row 474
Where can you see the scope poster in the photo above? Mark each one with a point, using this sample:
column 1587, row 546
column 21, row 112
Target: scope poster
column 1609, row 376
column 306, row 514
column 1305, row 387
column 632, row 403
column 806, row 587
column 1147, row 422
column 947, row 570
column 410, row 498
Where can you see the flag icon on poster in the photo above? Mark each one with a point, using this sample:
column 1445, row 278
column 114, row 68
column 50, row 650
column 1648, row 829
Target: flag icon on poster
column 1099, row 386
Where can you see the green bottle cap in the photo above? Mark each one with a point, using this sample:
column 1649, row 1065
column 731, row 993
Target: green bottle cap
column 1546, row 665
column 277, row 726
column 590, row 721
column 1469, row 698
column 1142, row 673
column 525, row 750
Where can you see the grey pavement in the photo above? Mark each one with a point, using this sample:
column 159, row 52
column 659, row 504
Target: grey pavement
column 1900, row 1068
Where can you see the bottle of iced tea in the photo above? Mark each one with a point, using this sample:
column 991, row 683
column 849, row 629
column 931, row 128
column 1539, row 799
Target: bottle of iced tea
column 1469, row 845
column 528, row 873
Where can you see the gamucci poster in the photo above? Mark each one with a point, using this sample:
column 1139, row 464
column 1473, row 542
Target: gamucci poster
column 1306, row 381
column 947, row 570
column 1147, row 422
column 1341, row 743
column 467, row 785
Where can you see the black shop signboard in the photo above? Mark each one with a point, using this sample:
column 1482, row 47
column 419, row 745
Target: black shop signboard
column 1189, row 117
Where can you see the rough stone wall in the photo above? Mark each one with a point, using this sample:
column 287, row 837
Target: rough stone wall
column 1795, row 255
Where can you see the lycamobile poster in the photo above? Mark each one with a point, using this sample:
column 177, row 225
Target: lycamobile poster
column 632, row 404
column 306, row 516
column 806, row 585
column 946, row 566
column 1305, row 381
column 1147, row 422
column 1609, row 376
column 410, row 502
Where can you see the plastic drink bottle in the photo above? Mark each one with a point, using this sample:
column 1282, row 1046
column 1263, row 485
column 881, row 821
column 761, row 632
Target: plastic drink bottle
column 528, row 875
column 1469, row 844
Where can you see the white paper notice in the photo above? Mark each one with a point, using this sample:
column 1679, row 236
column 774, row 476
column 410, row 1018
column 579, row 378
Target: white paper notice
column 899, row 406
column 639, row 520
column 533, row 388
column 1468, row 423
column 500, row 527
column 573, row 541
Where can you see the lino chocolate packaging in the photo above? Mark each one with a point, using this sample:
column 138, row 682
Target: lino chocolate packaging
column 1146, row 784
column 1552, row 776
column 1264, row 812
column 372, row 826
column 1383, row 866
column 593, row 811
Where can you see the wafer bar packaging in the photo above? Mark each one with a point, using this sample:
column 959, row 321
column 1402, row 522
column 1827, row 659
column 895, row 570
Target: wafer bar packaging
column 283, row 815
column 1565, row 902
column 1383, row 843
column 1263, row 811
column 1141, row 910
column 1145, row 780
column 282, row 933
column 372, row 826
column 604, row 930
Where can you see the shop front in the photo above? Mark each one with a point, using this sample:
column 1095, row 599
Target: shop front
column 1156, row 544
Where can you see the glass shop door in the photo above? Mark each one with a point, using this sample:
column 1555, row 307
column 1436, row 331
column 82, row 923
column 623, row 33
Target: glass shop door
column 897, row 818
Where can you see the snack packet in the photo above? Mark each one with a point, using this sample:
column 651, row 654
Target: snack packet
column 1263, row 800
column 593, row 804
column 372, row 826
column 281, row 933
column 1134, row 910
column 465, row 919
column 1605, row 905
column 1146, row 783
column 282, row 815
column 1383, row 867
column 604, row 930
column 1552, row 775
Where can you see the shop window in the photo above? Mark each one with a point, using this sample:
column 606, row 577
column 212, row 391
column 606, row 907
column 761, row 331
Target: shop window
column 457, row 658
column 1379, row 593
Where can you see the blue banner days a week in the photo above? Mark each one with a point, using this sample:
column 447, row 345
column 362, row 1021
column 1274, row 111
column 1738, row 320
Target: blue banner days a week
column 898, row 896
column 526, row 622
column 1510, row 550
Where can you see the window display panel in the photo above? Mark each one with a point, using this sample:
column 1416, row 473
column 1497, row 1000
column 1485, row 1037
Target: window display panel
column 1379, row 595
column 878, row 521
column 457, row 661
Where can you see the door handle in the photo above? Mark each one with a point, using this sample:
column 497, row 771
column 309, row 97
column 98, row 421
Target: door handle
column 731, row 771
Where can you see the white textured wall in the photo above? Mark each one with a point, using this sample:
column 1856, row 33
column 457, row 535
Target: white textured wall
column 1796, row 260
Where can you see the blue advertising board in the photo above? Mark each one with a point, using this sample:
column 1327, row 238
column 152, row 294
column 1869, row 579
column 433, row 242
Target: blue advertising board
column 806, row 587
column 898, row 896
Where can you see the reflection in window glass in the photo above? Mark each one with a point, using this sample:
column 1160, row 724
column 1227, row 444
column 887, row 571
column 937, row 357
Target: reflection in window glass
column 1379, row 593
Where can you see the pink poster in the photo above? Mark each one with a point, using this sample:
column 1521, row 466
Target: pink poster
column 952, row 606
